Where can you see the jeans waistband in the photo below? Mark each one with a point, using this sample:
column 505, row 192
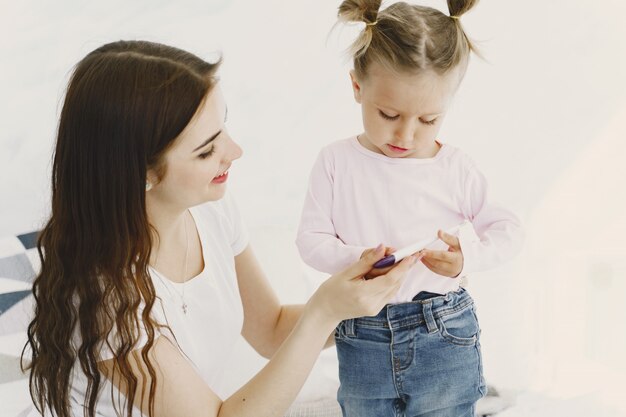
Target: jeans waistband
column 425, row 308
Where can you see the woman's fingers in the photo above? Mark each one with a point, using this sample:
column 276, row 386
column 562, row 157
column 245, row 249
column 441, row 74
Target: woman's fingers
column 347, row 295
column 364, row 265
column 376, row 272
column 388, row 251
column 396, row 274
column 385, row 287
column 367, row 252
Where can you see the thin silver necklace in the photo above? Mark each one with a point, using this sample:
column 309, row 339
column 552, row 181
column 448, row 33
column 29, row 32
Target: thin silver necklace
column 163, row 280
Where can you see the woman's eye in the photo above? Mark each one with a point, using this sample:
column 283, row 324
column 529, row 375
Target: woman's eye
column 208, row 153
column 429, row 122
column 386, row 116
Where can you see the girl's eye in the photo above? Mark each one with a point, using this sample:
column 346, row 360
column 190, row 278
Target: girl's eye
column 429, row 122
column 386, row 116
column 208, row 153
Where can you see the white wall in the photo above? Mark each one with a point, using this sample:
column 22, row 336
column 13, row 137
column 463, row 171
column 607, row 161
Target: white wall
column 545, row 117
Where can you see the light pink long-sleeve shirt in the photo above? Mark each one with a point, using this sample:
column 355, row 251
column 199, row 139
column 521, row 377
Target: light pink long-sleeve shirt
column 358, row 198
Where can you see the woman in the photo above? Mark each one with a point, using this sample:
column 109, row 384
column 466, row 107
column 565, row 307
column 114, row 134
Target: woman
column 147, row 277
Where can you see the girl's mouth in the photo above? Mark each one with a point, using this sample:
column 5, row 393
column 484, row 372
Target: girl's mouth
column 396, row 149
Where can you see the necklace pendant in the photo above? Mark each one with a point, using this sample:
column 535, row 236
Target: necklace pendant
column 184, row 306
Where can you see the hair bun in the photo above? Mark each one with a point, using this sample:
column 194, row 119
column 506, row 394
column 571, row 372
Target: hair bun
column 458, row 7
column 359, row 11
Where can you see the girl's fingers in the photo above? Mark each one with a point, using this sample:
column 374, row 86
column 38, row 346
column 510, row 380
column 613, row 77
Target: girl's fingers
column 431, row 265
column 441, row 268
column 449, row 239
column 437, row 255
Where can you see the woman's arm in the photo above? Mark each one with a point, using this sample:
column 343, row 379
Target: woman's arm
column 267, row 323
column 181, row 392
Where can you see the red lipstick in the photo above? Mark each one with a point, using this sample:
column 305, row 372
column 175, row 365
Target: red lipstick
column 220, row 178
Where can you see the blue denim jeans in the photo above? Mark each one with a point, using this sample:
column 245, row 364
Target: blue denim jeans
column 415, row 359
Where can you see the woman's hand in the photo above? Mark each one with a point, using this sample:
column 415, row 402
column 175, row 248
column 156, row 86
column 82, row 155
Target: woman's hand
column 447, row 263
column 348, row 294
column 376, row 272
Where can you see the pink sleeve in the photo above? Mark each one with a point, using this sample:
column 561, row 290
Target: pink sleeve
column 317, row 240
column 499, row 231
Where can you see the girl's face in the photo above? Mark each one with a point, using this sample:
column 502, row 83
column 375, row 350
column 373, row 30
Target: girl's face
column 402, row 113
column 197, row 163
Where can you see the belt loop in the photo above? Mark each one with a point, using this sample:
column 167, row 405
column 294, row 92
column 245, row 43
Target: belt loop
column 427, row 309
column 349, row 327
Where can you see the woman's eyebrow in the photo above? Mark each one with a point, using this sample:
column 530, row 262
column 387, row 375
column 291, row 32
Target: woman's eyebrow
column 209, row 140
column 212, row 138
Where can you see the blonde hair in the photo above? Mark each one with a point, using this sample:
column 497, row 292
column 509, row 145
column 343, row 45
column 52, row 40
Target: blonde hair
column 408, row 38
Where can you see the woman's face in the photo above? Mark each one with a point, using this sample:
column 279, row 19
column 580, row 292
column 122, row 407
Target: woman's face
column 197, row 164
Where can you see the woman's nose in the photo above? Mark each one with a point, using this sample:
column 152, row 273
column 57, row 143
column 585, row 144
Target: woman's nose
column 234, row 150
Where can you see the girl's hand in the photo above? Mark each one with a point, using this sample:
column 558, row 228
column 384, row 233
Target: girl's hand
column 348, row 294
column 448, row 264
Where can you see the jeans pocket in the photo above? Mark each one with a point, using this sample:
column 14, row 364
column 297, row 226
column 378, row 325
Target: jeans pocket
column 338, row 331
column 345, row 330
column 460, row 328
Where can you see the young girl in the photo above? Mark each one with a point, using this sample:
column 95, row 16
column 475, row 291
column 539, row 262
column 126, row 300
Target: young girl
column 397, row 183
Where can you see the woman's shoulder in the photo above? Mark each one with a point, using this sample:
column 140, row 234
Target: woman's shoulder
column 223, row 219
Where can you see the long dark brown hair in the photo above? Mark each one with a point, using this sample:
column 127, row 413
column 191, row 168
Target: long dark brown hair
column 125, row 105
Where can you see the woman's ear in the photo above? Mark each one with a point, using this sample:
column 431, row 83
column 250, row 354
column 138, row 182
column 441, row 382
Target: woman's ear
column 151, row 179
column 356, row 87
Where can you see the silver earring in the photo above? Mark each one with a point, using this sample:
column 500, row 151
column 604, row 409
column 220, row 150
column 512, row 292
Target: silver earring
column 148, row 185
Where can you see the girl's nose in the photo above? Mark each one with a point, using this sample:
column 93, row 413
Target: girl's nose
column 404, row 134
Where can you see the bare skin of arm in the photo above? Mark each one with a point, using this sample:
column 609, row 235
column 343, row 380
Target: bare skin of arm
column 267, row 323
